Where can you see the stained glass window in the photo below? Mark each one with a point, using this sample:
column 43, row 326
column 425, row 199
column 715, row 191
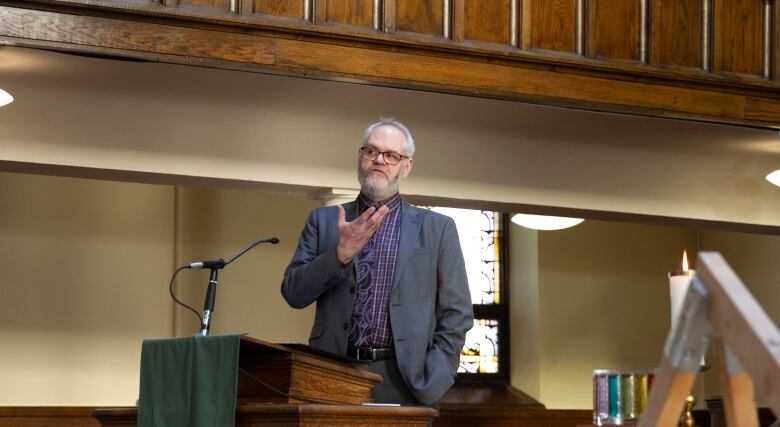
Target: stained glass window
column 480, row 353
column 480, row 234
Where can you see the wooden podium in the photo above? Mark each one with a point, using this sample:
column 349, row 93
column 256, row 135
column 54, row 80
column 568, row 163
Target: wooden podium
column 281, row 385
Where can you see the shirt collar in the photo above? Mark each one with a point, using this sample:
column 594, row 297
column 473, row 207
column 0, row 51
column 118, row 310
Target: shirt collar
column 393, row 202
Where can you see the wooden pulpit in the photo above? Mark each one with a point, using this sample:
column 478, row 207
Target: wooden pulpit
column 288, row 385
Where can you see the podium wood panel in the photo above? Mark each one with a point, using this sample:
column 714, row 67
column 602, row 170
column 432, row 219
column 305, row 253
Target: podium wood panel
column 303, row 377
column 307, row 414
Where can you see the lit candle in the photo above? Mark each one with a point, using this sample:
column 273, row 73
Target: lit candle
column 678, row 287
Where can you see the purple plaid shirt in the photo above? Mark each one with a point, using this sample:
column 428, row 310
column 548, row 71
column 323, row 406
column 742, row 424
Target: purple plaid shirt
column 375, row 265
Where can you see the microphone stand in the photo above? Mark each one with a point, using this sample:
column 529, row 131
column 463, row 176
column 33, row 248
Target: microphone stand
column 208, row 305
column 211, row 291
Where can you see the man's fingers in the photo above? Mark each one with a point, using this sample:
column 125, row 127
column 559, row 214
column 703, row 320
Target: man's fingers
column 366, row 215
column 378, row 216
column 342, row 216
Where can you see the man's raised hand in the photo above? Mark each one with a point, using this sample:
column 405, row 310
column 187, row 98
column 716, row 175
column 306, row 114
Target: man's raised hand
column 354, row 235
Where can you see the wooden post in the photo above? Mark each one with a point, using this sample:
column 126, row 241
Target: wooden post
column 737, row 390
column 745, row 328
column 746, row 345
column 667, row 398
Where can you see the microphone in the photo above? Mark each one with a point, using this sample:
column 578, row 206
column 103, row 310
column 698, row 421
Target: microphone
column 218, row 264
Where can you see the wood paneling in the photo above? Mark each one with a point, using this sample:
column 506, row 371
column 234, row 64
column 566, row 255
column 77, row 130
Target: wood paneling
column 487, row 20
column 258, row 414
column 206, row 4
column 738, row 36
column 352, row 12
column 549, row 25
column 286, row 8
column 419, row 16
column 613, row 29
column 776, row 42
column 496, row 416
column 47, row 416
column 676, row 33
column 555, row 76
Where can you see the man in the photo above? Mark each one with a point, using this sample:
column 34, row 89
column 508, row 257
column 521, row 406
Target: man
column 388, row 278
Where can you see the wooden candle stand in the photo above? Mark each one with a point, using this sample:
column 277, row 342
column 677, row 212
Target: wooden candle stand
column 718, row 308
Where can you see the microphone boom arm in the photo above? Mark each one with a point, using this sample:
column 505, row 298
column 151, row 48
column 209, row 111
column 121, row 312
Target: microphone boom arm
column 211, row 291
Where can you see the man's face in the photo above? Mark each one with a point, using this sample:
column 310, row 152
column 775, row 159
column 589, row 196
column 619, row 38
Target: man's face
column 378, row 179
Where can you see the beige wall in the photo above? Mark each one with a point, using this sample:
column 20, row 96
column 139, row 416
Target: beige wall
column 87, row 265
column 218, row 224
column 524, row 306
column 85, row 272
column 604, row 298
column 603, row 302
column 263, row 130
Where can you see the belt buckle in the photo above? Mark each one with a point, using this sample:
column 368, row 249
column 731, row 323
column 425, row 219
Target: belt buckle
column 365, row 354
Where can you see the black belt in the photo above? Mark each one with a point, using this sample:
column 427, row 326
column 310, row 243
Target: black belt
column 370, row 353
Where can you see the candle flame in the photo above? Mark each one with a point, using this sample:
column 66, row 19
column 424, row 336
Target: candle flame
column 685, row 261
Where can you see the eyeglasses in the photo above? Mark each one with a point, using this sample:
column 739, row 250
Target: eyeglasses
column 391, row 157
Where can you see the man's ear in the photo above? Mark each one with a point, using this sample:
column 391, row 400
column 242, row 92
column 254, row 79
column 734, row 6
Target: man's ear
column 408, row 167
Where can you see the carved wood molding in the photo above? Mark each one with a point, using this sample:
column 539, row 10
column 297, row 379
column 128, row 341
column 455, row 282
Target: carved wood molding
column 319, row 48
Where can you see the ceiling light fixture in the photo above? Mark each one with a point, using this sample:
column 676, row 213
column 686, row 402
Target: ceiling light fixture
column 545, row 222
column 774, row 177
column 5, row 98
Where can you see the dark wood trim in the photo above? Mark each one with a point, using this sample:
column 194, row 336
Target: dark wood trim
column 390, row 11
column 47, row 416
column 505, row 365
column 293, row 47
column 458, row 20
column 285, row 27
column 320, row 11
column 474, row 416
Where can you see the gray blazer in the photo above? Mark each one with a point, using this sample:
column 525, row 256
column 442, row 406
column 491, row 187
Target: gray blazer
column 430, row 303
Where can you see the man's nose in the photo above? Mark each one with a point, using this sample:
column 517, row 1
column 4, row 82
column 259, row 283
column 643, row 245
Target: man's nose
column 384, row 161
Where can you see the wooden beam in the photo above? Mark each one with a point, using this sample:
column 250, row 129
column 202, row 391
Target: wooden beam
column 745, row 328
column 738, row 397
column 667, row 398
column 416, row 66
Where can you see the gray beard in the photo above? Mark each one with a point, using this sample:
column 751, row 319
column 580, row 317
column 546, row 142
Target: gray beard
column 378, row 192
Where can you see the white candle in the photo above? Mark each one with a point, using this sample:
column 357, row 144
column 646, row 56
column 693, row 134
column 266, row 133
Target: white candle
column 678, row 287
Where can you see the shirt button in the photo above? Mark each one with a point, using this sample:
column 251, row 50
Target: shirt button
column 345, row 326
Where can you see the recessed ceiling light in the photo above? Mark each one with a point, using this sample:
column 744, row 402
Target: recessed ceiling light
column 5, row 98
column 545, row 222
column 774, row 177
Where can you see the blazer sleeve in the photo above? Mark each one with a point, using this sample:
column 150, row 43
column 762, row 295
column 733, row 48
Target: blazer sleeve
column 454, row 317
column 314, row 267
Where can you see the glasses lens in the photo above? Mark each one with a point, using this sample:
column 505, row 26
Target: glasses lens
column 392, row 158
column 368, row 153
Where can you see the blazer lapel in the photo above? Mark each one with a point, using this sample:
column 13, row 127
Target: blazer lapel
column 410, row 227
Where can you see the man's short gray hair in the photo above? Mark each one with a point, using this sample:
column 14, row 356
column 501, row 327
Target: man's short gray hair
column 389, row 121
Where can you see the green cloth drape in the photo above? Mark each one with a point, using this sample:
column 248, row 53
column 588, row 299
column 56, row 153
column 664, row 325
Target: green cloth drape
column 189, row 381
